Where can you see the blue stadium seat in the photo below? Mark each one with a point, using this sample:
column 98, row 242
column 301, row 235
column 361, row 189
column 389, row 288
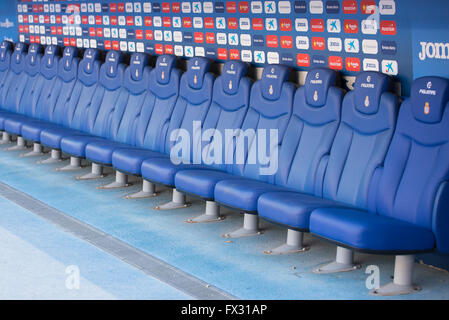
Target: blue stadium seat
column 109, row 113
column 270, row 107
column 78, row 116
column 5, row 63
column 411, row 201
column 136, row 82
column 358, row 151
column 195, row 93
column 230, row 99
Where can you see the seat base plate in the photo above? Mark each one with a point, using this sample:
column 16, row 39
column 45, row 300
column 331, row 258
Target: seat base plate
column 287, row 249
column 204, row 218
column 172, row 206
column 393, row 289
column 142, row 195
column 336, row 267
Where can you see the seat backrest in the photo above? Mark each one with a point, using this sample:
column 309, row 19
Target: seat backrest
column 163, row 93
column 114, row 97
column 413, row 185
column 86, row 95
column 367, row 124
column 230, row 101
column 51, row 84
column 270, row 109
column 310, row 133
column 15, row 79
column 195, row 96
column 136, row 82
column 68, row 75
column 32, row 80
column 5, row 62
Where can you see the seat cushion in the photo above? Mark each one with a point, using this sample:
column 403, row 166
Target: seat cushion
column 3, row 116
column 130, row 160
column 163, row 170
column 370, row 232
column 52, row 137
column 76, row 145
column 31, row 130
column 101, row 151
column 291, row 209
column 201, row 182
column 13, row 123
column 243, row 193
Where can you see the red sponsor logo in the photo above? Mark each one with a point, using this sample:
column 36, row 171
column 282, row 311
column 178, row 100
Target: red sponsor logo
column 112, row 7
column 166, row 21
column 73, row 42
column 350, row 6
column 318, row 43
column 257, row 24
column 159, row 48
column 303, row 60
column 58, row 20
column 243, row 7
column 368, row 6
column 335, row 63
column 114, row 20
column 26, row 29
column 234, row 54
column 233, row 23
column 286, row 42
column 100, row 32
column 222, row 54
column 149, row 34
column 59, row 30
column 285, row 24
column 37, row 39
column 108, row 45
column 388, row 27
column 47, row 19
column 317, row 25
column 165, row 7
column 35, row 8
column 31, row 39
column 139, row 34
column 168, row 49
column 84, row 20
column 130, row 20
column 209, row 23
column 115, row 45
column 351, row 26
column 121, row 7
column 231, row 7
column 176, row 7
column 71, row 20
column 25, row 19
column 66, row 42
column 36, row 19
column 272, row 41
column 98, row 20
column 41, row 9
column 92, row 32
column 199, row 37
column 21, row 29
column 210, row 37
column 187, row 22
column 148, row 21
column 352, row 64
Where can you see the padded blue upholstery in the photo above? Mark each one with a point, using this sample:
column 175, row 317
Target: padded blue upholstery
column 230, row 100
column 305, row 146
column 152, row 127
column 345, row 177
column 5, row 62
column 80, row 110
column 56, row 104
column 136, row 81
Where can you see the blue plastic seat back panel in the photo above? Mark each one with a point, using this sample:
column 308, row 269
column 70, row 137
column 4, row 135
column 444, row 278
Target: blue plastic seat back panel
column 367, row 124
column 270, row 108
column 15, row 79
column 416, row 167
column 229, row 107
column 114, row 97
column 5, row 63
column 67, row 75
column 136, row 81
column 310, row 132
column 195, row 96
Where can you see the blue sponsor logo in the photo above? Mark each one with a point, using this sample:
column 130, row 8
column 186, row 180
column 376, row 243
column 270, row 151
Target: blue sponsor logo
column 105, row 7
column 219, row 7
column 149, row 48
column 86, row 32
column 211, row 53
column 388, row 47
column 332, row 7
column 287, row 58
column 131, row 34
column 258, row 40
column 188, row 37
column 318, row 60
column 156, row 7
column 300, row 7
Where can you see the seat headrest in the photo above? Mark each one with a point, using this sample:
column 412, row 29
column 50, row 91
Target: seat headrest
column 49, row 63
column 33, row 59
column 112, row 70
column 164, row 65
column 196, row 69
column 5, row 55
column 232, row 72
column 89, row 67
column 18, row 57
column 137, row 64
column 368, row 89
column 429, row 97
column 113, row 59
column 68, row 64
column 318, row 82
column 273, row 77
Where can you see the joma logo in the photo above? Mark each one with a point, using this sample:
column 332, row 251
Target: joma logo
column 434, row 50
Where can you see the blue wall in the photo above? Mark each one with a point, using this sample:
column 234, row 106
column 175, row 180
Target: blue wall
column 8, row 20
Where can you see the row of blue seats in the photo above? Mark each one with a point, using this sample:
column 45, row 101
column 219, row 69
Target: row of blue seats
column 352, row 168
